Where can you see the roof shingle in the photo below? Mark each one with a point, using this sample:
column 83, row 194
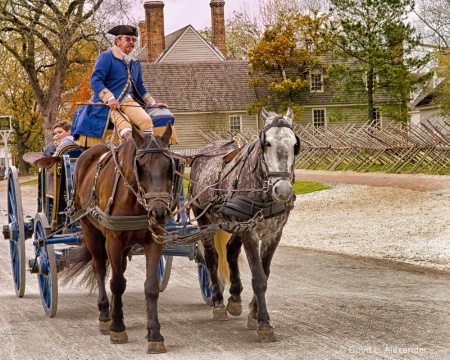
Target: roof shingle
column 200, row 86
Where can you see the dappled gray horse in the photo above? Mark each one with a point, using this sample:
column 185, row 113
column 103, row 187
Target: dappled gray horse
column 250, row 184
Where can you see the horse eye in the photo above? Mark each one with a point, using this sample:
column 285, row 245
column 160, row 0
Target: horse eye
column 268, row 144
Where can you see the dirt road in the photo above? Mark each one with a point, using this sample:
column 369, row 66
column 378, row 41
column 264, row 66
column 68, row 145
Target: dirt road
column 323, row 306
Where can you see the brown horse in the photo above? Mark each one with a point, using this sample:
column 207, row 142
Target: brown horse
column 255, row 183
column 122, row 197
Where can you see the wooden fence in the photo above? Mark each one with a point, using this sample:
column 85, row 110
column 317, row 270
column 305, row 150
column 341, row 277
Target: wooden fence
column 394, row 148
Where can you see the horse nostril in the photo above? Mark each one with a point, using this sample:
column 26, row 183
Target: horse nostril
column 159, row 215
column 282, row 191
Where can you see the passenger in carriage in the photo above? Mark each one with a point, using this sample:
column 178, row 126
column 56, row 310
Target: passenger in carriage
column 61, row 137
column 117, row 82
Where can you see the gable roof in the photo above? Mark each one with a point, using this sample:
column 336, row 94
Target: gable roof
column 200, row 86
column 185, row 44
column 174, row 36
column 428, row 96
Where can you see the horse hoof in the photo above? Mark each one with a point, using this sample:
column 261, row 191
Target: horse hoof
column 252, row 323
column 103, row 326
column 234, row 307
column 220, row 314
column 118, row 337
column 266, row 336
column 156, row 347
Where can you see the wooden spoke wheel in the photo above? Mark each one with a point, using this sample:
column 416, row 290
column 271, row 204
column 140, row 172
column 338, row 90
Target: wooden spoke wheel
column 46, row 263
column 16, row 231
column 164, row 269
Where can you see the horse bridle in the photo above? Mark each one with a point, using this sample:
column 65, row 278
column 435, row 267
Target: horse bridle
column 147, row 198
column 281, row 175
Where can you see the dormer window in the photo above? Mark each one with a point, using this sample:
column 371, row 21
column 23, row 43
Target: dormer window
column 316, row 81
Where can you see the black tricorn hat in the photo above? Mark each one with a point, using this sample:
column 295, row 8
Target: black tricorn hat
column 123, row 30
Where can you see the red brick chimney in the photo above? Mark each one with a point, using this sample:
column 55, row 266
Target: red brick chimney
column 154, row 24
column 218, row 25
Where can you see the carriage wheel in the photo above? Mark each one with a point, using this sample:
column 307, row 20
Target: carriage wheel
column 203, row 278
column 16, row 232
column 47, row 271
column 164, row 269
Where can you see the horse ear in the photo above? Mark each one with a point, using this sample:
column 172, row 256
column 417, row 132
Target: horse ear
column 289, row 115
column 167, row 133
column 137, row 137
column 264, row 114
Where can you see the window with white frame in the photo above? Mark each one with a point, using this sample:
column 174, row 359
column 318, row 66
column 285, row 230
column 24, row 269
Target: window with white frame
column 235, row 123
column 319, row 117
column 376, row 115
column 316, row 81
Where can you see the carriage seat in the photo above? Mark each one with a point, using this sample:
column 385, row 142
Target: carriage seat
column 160, row 118
column 73, row 150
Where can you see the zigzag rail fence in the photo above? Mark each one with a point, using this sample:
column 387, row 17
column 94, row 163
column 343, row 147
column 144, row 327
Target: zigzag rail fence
column 393, row 148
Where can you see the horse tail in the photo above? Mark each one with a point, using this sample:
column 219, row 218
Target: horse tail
column 78, row 260
column 220, row 242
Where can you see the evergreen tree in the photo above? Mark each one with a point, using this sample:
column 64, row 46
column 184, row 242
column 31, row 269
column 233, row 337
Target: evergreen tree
column 377, row 47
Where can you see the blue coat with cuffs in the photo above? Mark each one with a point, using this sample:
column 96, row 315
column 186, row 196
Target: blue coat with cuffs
column 109, row 77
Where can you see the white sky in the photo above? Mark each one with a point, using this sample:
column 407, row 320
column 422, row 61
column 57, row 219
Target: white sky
column 179, row 13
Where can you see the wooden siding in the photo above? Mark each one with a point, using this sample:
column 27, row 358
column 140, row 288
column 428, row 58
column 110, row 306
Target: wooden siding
column 187, row 125
column 428, row 113
column 190, row 47
column 338, row 115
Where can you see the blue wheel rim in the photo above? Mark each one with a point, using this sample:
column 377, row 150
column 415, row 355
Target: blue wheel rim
column 17, row 231
column 203, row 278
column 162, row 268
column 44, row 278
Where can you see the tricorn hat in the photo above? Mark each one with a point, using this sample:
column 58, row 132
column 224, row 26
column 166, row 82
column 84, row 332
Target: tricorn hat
column 123, row 30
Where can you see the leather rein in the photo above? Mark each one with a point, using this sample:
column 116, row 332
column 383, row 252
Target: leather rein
column 145, row 199
column 244, row 206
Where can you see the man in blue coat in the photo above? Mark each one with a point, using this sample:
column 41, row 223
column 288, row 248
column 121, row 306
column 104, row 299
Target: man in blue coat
column 117, row 82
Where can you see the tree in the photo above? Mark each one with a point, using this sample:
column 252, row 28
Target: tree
column 285, row 52
column 377, row 46
column 433, row 22
column 17, row 100
column 49, row 39
column 242, row 35
column 245, row 27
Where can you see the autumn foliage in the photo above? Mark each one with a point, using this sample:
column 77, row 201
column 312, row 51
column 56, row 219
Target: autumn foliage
column 84, row 92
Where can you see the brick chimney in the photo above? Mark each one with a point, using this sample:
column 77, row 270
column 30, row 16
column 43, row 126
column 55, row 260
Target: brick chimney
column 218, row 25
column 154, row 24
column 142, row 34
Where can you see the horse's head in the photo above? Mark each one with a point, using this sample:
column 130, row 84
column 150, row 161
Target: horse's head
column 154, row 174
column 279, row 146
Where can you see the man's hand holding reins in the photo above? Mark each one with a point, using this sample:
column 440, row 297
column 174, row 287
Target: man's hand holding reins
column 113, row 104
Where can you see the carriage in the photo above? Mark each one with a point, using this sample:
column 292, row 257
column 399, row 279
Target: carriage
column 94, row 214
column 54, row 235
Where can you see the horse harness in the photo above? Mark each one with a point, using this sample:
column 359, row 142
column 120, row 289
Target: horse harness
column 145, row 199
column 242, row 206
